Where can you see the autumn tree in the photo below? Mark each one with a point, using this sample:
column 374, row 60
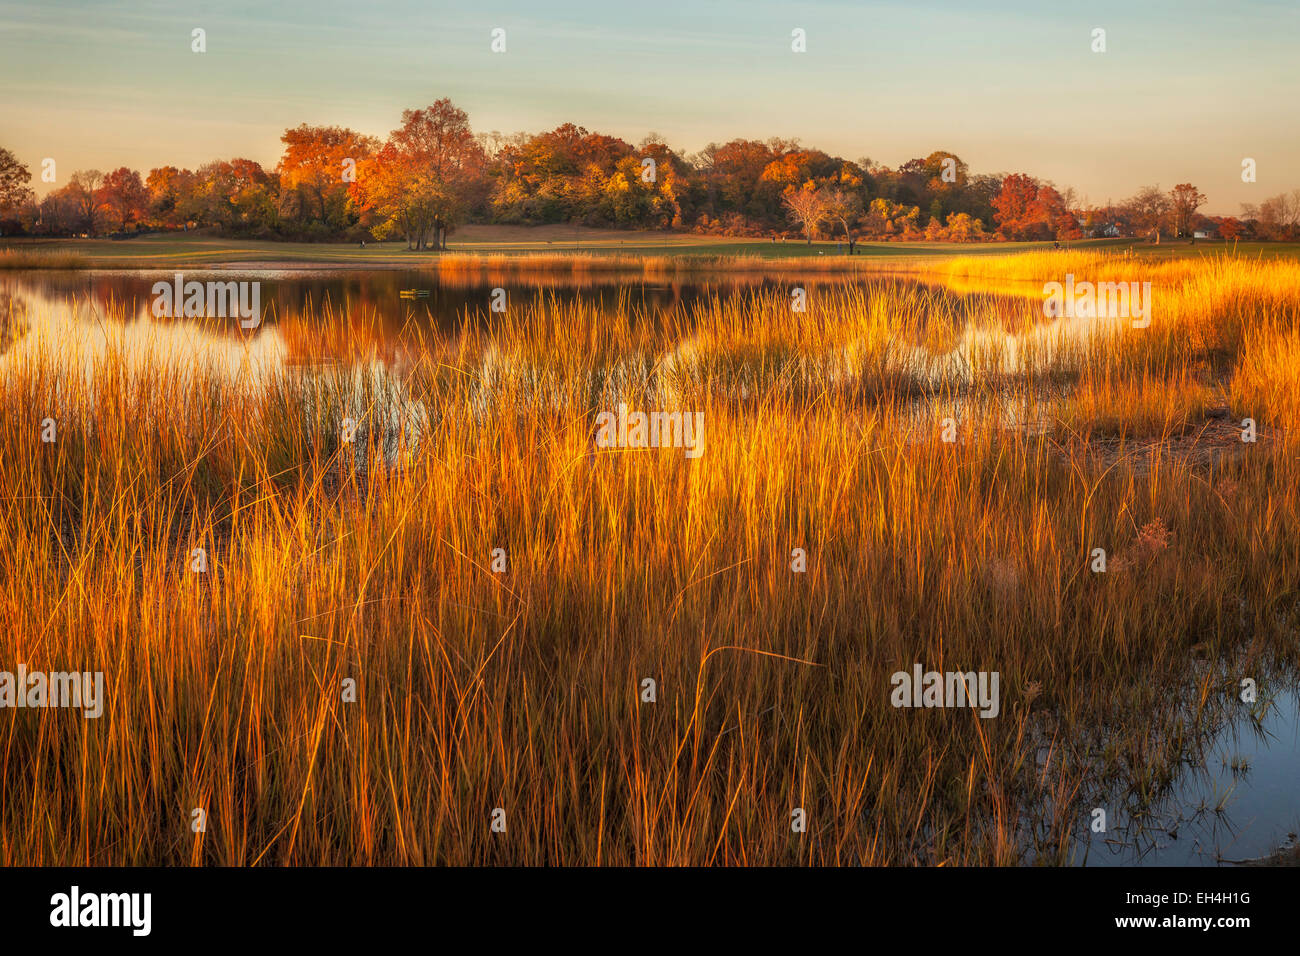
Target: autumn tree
column 238, row 196
column 732, row 172
column 422, row 181
column 14, row 177
column 962, row 227
column 123, row 196
column 1184, row 199
column 1026, row 209
column 1052, row 209
column 639, row 194
column 678, row 191
column 170, row 190
column 571, row 175
column 1229, row 227
column 885, row 217
column 317, row 169
column 795, row 168
column 948, row 177
column 1013, row 207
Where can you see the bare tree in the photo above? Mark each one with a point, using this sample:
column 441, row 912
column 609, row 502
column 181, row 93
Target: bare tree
column 807, row 207
column 1277, row 217
column 1149, row 209
column 84, row 188
column 843, row 207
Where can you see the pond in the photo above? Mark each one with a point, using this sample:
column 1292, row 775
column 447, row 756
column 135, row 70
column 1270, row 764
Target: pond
column 1239, row 802
column 441, row 303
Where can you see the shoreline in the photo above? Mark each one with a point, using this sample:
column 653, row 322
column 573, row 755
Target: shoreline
column 637, row 253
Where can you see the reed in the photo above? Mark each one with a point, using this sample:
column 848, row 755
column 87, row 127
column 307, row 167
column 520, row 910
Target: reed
column 372, row 561
column 41, row 259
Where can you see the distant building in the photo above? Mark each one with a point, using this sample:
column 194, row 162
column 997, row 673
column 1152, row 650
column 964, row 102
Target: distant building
column 1110, row 231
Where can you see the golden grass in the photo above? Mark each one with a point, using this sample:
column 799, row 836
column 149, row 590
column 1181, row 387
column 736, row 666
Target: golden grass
column 41, row 259
column 520, row 690
column 583, row 264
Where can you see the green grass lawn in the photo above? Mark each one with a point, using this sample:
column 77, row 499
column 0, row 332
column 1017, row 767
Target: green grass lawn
column 164, row 251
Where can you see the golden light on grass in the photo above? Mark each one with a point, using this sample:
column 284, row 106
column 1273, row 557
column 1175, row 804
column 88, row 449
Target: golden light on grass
column 475, row 690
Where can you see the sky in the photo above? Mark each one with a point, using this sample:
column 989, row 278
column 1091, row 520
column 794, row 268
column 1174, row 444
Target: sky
column 1185, row 90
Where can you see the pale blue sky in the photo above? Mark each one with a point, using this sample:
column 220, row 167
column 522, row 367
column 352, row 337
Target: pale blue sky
column 1186, row 89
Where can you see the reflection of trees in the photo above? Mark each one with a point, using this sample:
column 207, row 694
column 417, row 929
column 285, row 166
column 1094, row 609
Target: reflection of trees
column 338, row 316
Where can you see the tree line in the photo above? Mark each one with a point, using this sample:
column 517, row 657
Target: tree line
column 434, row 173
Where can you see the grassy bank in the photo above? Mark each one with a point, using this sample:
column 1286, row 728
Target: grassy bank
column 551, row 248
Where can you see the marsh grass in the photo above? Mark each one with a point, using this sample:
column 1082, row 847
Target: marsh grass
column 371, row 561
column 580, row 265
column 41, row 259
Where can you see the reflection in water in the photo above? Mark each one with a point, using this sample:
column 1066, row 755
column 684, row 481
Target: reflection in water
column 454, row 300
column 74, row 340
column 1236, row 803
column 368, row 316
